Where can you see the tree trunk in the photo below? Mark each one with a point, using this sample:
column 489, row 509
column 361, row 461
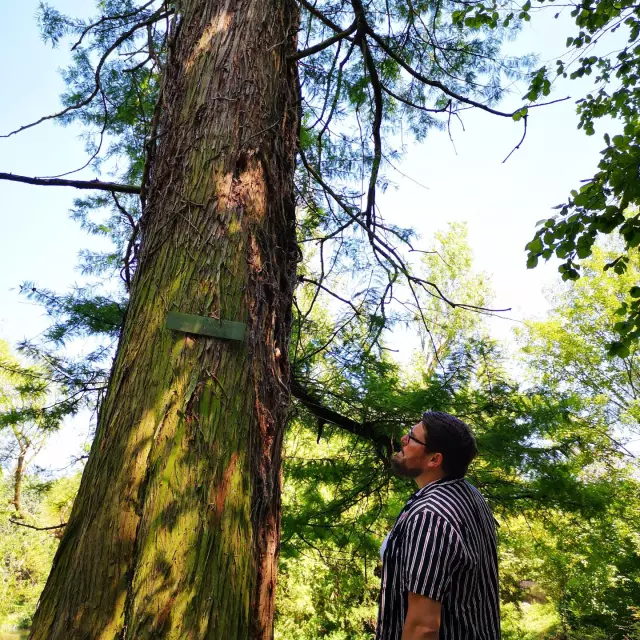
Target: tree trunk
column 175, row 530
column 17, row 483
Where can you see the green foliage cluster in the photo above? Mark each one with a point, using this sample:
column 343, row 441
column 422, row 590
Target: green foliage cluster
column 608, row 202
column 606, row 48
column 26, row 554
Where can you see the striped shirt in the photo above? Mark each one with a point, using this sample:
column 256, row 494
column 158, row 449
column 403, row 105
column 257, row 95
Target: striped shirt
column 443, row 546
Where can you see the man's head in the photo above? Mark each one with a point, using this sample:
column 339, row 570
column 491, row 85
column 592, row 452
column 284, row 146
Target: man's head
column 438, row 446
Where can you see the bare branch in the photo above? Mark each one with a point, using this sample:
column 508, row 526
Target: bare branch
column 77, row 184
column 546, row 104
column 30, row 526
column 524, row 135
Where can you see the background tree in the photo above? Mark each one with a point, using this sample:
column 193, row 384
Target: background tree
column 26, row 553
column 569, row 349
column 33, row 509
column 31, row 408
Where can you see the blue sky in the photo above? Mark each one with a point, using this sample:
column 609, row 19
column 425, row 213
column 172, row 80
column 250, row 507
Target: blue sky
column 38, row 241
column 500, row 202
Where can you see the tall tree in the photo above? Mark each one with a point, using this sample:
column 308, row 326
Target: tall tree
column 184, row 471
column 569, row 349
column 205, row 100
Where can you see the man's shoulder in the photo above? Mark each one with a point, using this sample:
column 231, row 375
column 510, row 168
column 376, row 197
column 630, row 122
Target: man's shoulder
column 425, row 512
column 452, row 501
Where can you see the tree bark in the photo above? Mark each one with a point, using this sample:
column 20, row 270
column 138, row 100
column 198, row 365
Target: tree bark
column 175, row 530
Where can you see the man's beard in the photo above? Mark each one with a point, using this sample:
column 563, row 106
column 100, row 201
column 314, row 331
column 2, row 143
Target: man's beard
column 399, row 467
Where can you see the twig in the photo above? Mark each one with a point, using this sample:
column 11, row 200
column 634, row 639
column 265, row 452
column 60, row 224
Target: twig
column 131, row 246
column 318, row 14
column 104, row 19
column 331, row 293
column 98, row 147
column 524, row 135
column 413, row 104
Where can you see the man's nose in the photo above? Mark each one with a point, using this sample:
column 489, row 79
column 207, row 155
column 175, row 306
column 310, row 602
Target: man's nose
column 404, row 440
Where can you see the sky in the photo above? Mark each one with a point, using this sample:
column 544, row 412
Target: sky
column 461, row 181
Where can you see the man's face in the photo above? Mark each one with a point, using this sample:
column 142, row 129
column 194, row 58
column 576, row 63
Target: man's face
column 410, row 460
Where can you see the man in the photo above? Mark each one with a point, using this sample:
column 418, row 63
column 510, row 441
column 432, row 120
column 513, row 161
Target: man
column 439, row 562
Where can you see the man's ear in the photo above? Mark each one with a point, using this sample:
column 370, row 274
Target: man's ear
column 435, row 461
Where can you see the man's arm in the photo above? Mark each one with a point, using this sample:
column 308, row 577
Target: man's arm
column 423, row 618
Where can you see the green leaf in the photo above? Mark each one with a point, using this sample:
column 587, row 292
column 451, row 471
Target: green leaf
column 521, row 113
column 535, row 246
column 619, row 349
column 618, row 140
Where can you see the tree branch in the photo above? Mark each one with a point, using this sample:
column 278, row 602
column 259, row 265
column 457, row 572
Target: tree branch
column 433, row 83
column 318, row 14
column 77, row 184
column 363, row 430
column 319, row 285
column 30, row 526
column 376, row 125
column 326, row 43
column 413, row 104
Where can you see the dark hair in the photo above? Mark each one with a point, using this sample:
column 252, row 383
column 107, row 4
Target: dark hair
column 452, row 438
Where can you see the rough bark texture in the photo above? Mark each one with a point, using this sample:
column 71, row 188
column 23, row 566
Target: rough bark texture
column 175, row 530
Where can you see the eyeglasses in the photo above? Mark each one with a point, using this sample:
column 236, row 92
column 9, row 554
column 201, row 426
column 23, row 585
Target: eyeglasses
column 412, row 437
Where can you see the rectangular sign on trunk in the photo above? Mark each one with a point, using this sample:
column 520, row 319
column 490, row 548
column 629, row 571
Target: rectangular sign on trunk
column 225, row 329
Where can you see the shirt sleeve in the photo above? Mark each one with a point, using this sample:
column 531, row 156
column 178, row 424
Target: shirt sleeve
column 432, row 552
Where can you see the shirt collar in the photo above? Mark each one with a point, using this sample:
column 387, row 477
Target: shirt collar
column 436, row 483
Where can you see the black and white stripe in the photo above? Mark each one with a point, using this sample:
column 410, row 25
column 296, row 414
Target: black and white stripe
column 443, row 546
